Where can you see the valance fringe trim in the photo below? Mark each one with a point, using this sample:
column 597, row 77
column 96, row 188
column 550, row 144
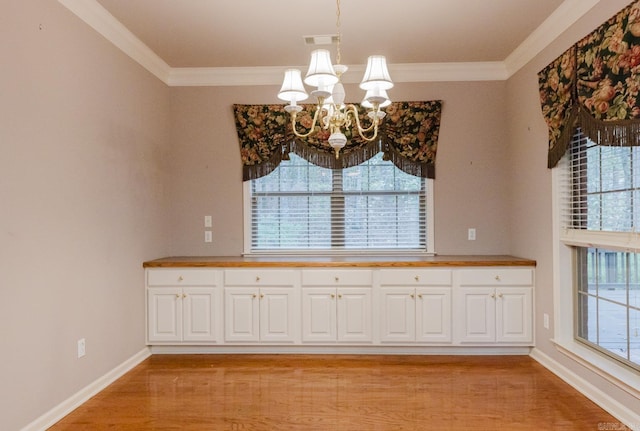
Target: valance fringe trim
column 623, row 133
column 253, row 172
column 328, row 160
column 421, row 170
column 562, row 144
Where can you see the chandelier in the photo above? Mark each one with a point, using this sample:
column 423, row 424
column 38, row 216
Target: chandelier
column 331, row 113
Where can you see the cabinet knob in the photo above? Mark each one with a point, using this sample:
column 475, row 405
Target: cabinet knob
column 413, row 296
column 254, row 296
column 497, row 278
column 417, row 278
column 500, row 295
column 420, row 296
column 493, row 295
column 333, row 295
column 257, row 279
column 261, row 295
column 184, row 295
column 337, row 279
column 339, row 296
column 180, row 278
column 178, row 295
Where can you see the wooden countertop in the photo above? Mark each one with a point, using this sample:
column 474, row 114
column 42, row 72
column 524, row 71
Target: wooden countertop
column 337, row 261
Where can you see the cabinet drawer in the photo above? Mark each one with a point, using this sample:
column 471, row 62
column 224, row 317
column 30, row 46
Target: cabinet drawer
column 182, row 277
column 260, row 277
column 496, row 277
column 415, row 277
column 339, row 277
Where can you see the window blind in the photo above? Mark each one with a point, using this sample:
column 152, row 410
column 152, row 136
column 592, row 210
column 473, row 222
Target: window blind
column 601, row 196
column 301, row 206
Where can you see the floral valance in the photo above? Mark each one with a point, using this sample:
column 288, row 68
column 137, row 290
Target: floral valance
column 408, row 137
column 595, row 86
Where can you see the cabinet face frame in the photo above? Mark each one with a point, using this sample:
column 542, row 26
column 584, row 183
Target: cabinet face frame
column 261, row 306
column 195, row 309
column 190, row 312
column 496, row 306
column 415, row 306
column 341, row 307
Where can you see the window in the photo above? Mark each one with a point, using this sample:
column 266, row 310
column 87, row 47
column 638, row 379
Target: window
column 301, row 207
column 601, row 224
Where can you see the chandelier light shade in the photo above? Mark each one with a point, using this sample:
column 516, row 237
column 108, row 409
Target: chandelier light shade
column 377, row 75
column 321, row 73
column 331, row 112
column 292, row 89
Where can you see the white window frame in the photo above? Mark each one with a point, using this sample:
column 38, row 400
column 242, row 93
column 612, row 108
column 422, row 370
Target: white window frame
column 564, row 300
column 429, row 250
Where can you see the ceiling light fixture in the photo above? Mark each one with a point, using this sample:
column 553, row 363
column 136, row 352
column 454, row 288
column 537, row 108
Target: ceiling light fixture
column 331, row 113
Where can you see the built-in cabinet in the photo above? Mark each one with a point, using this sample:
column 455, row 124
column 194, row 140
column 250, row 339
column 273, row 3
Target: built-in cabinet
column 336, row 306
column 183, row 306
column 341, row 306
column 415, row 305
column 495, row 305
column 261, row 306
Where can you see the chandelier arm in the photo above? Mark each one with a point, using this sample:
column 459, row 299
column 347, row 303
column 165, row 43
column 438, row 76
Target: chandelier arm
column 311, row 129
column 361, row 131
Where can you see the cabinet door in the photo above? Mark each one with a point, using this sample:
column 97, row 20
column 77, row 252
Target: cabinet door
column 354, row 315
column 241, row 306
column 164, row 314
column 199, row 312
column 318, row 315
column 478, row 314
column 433, row 315
column 277, row 314
column 397, row 314
column 514, row 314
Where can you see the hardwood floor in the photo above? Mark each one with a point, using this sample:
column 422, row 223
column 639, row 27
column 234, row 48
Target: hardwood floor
column 337, row 392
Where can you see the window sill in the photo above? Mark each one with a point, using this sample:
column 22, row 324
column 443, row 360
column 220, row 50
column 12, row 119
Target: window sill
column 607, row 368
column 321, row 253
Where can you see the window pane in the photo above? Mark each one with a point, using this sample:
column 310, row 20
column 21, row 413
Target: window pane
column 606, row 302
column 612, row 328
column 634, row 327
column 370, row 206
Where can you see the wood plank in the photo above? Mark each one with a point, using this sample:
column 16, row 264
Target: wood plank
column 338, row 261
column 337, row 392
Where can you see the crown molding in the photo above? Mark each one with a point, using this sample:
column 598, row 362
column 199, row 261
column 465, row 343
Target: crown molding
column 96, row 16
column 567, row 14
column 410, row 72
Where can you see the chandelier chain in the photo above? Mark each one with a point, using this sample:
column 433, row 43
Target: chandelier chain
column 338, row 29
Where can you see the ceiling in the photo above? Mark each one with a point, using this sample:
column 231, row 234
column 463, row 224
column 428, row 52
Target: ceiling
column 216, row 34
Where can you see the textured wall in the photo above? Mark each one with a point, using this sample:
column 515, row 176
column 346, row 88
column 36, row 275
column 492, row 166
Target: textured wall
column 83, row 131
column 471, row 170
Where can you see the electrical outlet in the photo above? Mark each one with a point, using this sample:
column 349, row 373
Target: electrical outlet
column 471, row 234
column 208, row 222
column 208, row 236
column 81, row 347
column 545, row 318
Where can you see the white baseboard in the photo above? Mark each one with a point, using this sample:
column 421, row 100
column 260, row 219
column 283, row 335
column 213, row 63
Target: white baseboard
column 340, row 350
column 73, row 402
column 626, row 416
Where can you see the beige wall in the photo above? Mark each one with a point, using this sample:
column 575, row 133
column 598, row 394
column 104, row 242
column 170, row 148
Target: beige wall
column 530, row 191
column 471, row 171
column 83, row 130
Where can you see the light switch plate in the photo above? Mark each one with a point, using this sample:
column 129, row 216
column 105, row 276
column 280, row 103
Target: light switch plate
column 208, row 236
column 207, row 221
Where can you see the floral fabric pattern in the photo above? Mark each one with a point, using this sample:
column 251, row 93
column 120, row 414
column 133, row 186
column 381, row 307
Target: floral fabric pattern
column 408, row 137
column 595, row 86
column 557, row 85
